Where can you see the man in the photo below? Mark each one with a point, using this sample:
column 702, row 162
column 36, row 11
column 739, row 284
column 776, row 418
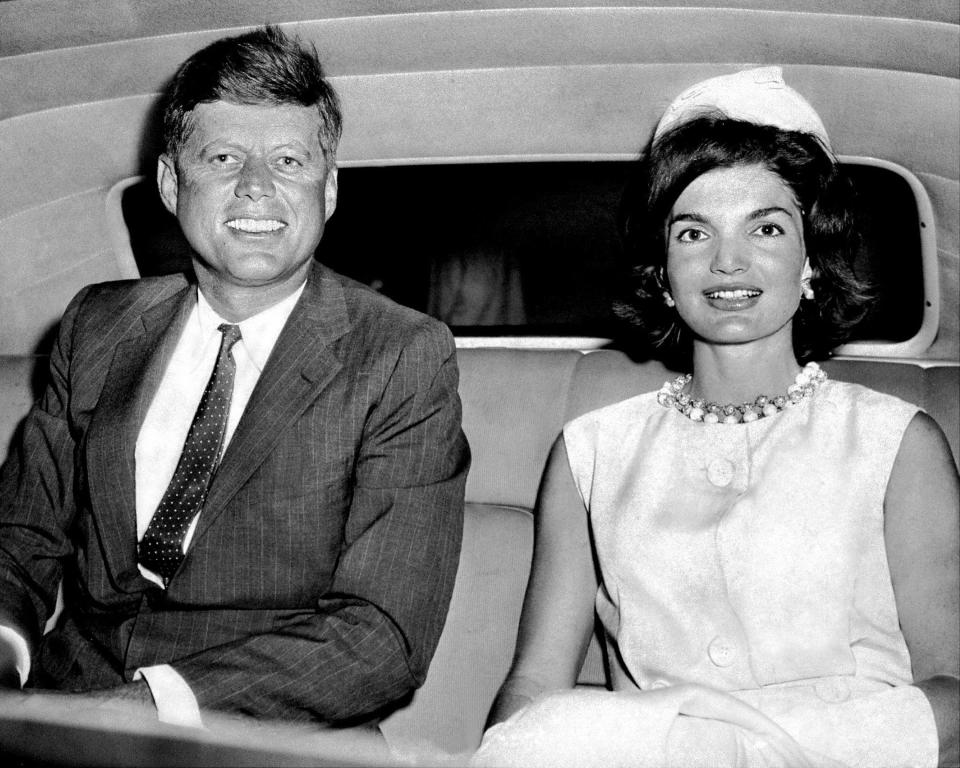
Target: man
column 250, row 487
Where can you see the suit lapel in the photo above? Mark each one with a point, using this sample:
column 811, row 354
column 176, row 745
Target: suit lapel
column 299, row 368
column 137, row 366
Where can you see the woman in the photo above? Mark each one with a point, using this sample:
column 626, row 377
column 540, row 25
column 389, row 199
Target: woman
column 776, row 553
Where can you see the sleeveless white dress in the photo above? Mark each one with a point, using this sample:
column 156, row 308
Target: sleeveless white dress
column 749, row 558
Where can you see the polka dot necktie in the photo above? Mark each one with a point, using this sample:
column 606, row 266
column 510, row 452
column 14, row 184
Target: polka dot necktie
column 161, row 548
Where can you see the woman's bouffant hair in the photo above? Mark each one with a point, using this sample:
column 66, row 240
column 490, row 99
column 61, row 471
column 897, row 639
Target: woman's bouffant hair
column 822, row 191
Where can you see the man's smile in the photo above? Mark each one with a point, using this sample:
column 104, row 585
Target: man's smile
column 256, row 226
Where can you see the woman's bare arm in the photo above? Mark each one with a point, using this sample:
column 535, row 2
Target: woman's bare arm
column 557, row 618
column 922, row 534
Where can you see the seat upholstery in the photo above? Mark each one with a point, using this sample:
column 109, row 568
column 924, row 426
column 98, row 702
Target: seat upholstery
column 473, row 656
column 515, row 402
column 20, row 377
column 513, row 409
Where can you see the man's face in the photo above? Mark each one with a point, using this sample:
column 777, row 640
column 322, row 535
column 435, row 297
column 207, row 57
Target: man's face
column 252, row 191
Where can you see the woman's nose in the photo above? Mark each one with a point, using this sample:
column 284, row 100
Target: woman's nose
column 729, row 258
column 255, row 181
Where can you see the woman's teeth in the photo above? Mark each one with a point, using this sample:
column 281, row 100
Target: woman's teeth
column 740, row 293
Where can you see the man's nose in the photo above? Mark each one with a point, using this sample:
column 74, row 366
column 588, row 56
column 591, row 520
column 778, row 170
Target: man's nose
column 255, row 181
column 729, row 258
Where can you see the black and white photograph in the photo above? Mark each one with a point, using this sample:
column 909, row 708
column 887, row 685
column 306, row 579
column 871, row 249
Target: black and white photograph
column 480, row 383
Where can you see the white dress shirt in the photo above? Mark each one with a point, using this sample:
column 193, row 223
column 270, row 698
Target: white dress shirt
column 165, row 427
column 159, row 444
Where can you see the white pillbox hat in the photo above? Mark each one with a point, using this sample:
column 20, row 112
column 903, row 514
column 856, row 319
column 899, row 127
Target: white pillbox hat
column 755, row 95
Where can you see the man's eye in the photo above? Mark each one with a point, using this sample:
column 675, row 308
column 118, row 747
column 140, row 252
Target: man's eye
column 290, row 162
column 223, row 159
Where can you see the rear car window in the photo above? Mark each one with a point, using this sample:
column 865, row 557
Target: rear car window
column 532, row 249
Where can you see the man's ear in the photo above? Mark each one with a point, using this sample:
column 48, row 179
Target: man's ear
column 167, row 182
column 330, row 193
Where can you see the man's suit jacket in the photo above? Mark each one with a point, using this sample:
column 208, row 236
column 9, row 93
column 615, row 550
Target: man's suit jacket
column 318, row 579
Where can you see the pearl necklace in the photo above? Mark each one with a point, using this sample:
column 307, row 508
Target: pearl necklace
column 671, row 395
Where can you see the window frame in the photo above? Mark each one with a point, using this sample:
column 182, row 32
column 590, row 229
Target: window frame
column 911, row 348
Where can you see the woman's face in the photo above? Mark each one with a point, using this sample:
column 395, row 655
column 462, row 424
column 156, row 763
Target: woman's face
column 735, row 255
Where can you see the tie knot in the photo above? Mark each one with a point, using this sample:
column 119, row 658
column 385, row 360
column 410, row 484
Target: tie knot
column 231, row 335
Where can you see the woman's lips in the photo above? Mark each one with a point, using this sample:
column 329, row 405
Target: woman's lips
column 732, row 298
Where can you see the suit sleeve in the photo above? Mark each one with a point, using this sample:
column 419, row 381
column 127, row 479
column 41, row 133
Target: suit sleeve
column 374, row 633
column 36, row 499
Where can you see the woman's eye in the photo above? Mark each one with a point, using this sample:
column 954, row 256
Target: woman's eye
column 691, row 235
column 769, row 230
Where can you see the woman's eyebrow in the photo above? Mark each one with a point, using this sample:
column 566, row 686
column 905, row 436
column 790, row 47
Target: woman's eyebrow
column 687, row 217
column 761, row 212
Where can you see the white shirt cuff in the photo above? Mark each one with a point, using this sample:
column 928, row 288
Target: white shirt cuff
column 175, row 702
column 20, row 649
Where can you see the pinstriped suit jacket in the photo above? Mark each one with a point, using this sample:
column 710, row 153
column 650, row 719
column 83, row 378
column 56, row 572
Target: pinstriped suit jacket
column 318, row 580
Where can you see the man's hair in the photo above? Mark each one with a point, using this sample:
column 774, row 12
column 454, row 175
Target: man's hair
column 260, row 67
column 822, row 191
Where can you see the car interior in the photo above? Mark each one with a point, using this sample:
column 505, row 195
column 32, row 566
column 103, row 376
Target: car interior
column 485, row 147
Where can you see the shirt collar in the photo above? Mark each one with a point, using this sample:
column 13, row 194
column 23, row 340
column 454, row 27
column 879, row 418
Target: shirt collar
column 259, row 333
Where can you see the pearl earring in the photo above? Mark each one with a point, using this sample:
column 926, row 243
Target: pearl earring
column 806, row 274
column 668, row 299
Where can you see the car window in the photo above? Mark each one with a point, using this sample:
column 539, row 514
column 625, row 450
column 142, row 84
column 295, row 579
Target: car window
column 532, row 248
